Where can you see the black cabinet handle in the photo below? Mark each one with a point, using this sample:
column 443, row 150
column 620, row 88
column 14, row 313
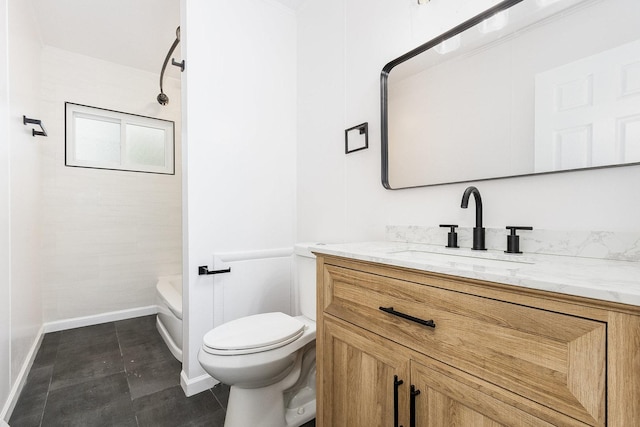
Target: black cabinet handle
column 390, row 310
column 396, row 384
column 412, row 406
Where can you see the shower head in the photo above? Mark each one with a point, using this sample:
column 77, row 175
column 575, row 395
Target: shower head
column 162, row 98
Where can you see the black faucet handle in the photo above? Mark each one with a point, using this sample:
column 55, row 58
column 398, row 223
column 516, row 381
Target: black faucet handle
column 514, row 228
column 452, row 241
column 451, row 226
column 513, row 240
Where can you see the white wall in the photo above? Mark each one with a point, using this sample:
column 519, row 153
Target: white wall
column 343, row 46
column 5, row 220
column 321, row 122
column 107, row 235
column 239, row 120
column 25, row 189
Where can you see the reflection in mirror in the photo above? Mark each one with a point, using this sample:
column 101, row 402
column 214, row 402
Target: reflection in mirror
column 529, row 86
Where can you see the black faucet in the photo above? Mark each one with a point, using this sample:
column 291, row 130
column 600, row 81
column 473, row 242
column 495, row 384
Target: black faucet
column 478, row 230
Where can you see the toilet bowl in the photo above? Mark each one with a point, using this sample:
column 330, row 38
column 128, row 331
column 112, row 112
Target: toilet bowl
column 268, row 359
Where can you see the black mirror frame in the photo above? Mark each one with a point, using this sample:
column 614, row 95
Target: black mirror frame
column 384, row 77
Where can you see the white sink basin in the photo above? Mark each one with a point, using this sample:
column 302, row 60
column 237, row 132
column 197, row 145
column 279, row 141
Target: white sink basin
column 465, row 258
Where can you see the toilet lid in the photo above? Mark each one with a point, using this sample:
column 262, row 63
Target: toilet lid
column 253, row 334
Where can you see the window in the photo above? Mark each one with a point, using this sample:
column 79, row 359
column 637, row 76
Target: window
column 105, row 139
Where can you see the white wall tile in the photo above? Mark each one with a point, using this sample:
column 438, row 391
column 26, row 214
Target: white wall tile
column 5, row 221
column 107, row 235
column 24, row 182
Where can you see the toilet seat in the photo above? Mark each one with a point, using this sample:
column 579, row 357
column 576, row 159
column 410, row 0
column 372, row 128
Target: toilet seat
column 253, row 334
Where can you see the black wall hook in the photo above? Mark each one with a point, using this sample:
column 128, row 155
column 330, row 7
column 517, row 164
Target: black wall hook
column 178, row 64
column 28, row 121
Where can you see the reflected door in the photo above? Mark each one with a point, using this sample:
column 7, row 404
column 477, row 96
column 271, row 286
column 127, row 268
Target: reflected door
column 582, row 106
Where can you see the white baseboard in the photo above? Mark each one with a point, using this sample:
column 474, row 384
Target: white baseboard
column 3, row 423
column 21, row 379
column 192, row 386
column 96, row 319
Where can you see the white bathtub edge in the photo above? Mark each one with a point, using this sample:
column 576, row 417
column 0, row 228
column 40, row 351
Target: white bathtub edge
column 169, row 295
column 168, row 340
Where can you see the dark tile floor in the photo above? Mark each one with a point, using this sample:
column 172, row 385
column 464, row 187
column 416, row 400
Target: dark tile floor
column 113, row 374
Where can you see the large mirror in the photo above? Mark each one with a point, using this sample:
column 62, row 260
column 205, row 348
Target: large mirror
column 527, row 87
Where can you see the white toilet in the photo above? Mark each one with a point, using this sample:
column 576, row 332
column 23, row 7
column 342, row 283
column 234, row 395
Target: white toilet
column 269, row 359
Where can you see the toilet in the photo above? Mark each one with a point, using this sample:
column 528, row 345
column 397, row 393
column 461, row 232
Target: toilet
column 269, row 359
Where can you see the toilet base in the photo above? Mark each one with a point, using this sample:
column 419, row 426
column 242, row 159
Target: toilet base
column 264, row 407
column 298, row 416
column 255, row 407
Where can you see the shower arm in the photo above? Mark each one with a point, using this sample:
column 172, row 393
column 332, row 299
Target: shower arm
column 162, row 98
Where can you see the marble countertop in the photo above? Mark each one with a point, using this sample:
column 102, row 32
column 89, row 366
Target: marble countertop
column 603, row 279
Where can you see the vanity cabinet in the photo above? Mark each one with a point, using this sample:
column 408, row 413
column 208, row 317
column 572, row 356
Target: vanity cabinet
column 362, row 369
column 393, row 342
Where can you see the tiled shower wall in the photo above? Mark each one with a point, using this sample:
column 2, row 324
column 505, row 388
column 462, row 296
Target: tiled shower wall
column 107, row 235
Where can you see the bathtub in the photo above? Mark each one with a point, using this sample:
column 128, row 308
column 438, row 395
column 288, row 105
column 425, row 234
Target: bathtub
column 169, row 319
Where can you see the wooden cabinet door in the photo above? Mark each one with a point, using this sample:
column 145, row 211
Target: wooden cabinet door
column 450, row 398
column 358, row 371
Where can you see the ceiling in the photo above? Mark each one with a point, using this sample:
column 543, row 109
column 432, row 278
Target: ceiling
column 135, row 33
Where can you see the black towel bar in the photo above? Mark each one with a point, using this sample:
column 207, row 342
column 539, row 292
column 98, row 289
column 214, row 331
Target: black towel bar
column 204, row 270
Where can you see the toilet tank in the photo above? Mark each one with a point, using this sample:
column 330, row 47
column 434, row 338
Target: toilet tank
column 306, row 279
